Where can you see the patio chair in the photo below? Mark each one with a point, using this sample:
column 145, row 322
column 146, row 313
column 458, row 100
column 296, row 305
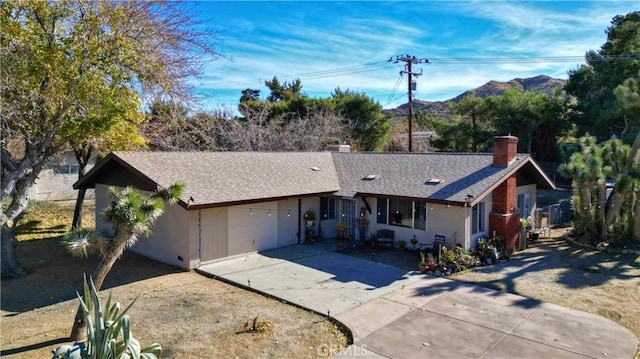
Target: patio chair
column 385, row 236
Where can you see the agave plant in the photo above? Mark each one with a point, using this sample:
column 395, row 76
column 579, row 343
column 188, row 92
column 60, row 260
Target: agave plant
column 108, row 332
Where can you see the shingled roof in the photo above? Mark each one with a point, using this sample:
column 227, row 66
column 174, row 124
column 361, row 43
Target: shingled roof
column 212, row 178
column 438, row 177
column 221, row 178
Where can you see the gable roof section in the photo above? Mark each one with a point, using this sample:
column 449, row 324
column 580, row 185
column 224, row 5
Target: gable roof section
column 408, row 174
column 223, row 178
column 216, row 178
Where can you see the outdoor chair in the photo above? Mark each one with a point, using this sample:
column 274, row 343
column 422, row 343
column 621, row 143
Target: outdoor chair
column 385, row 236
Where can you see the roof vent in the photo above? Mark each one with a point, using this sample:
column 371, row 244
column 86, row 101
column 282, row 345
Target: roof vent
column 370, row 177
column 316, row 169
column 434, row 181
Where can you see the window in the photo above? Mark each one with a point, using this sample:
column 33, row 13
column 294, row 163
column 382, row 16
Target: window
column 66, row 169
column 382, row 211
column 420, row 215
column 477, row 218
column 327, row 208
column 404, row 213
column 524, row 204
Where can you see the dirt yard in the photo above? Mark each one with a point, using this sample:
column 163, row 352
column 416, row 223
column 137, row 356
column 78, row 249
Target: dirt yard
column 190, row 315
column 555, row 271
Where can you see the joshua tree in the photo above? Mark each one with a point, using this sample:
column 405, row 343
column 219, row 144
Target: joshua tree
column 132, row 213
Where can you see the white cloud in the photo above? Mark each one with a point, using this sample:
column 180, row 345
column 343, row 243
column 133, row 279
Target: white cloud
column 305, row 45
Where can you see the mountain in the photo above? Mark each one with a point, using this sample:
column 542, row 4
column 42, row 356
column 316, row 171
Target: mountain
column 539, row 83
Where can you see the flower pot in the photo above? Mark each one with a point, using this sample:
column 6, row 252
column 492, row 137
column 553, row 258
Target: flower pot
column 422, row 268
column 488, row 261
column 341, row 232
column 433, row 267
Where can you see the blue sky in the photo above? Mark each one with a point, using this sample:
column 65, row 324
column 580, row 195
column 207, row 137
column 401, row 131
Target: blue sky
column 331, row 44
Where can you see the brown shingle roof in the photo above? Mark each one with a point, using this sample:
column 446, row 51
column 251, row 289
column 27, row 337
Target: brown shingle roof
column 406, row 174
column 224, row 177
column 217, row 178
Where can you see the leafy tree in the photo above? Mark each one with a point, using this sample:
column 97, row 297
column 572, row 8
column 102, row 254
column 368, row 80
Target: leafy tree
column 596, row 108
column 283, row 92
column 522, row 113
column 132, row 213
column 250, row 95
column 369, row 127
column 62, row 58
column 475, row 121
column 456, row 134
column 107, row 124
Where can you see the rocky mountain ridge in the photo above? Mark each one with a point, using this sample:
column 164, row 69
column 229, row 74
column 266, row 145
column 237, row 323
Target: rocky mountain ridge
column 541, row 83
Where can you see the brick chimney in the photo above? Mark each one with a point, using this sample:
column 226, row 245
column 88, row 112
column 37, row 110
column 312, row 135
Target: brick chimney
column 504, row 219
column 505, row 149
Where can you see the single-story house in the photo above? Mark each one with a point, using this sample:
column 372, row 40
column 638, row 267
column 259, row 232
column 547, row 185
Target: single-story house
column 240, row 202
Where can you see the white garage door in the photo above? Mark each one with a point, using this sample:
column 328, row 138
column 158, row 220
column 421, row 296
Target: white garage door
column 252, row 228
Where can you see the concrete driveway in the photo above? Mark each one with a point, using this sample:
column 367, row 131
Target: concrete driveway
column 397, row 314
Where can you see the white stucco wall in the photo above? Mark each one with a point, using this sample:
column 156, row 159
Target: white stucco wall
column 171, row 235
column 288, row 222
column 170, row 241
column 449, row 222
column 54, row 185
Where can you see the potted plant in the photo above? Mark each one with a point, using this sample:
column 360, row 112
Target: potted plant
column 414, row 242
column 401, row 244
column 485, row 251
column 431, row 262
column 310, row 217
column 341, row 227
column 422, row 265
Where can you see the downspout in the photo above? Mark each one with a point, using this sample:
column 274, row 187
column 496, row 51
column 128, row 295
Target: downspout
column 299, row 219
column 199, row 237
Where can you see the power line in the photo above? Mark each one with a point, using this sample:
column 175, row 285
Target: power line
column 395, row 88
column 434, row 61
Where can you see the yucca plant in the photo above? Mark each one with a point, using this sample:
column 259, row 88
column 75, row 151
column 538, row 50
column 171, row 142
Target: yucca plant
column 132, row 213
column 108, row 332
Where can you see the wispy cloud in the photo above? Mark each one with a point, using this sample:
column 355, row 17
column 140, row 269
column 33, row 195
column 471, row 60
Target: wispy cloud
column 301, row 38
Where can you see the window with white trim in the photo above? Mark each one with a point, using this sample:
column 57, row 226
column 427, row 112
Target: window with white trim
column 477, row 218
column 327, row 208
column 402, row 212
column 524, row 204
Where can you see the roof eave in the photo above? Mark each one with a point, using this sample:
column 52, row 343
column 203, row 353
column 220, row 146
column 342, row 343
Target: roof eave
column 541, row 178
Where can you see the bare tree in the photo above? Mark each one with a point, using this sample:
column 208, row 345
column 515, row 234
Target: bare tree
column 257, row 131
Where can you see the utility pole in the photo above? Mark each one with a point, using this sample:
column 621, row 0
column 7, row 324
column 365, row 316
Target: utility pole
column 409, row 60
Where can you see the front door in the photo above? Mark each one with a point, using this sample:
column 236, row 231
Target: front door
column 346, row 209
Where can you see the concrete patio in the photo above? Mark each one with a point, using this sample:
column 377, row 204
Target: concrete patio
column 395, row 313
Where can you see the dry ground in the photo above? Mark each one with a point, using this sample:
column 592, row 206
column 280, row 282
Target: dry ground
column 191, row 316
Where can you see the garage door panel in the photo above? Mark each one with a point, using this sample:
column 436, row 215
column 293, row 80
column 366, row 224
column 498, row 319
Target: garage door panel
column 253, row 228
